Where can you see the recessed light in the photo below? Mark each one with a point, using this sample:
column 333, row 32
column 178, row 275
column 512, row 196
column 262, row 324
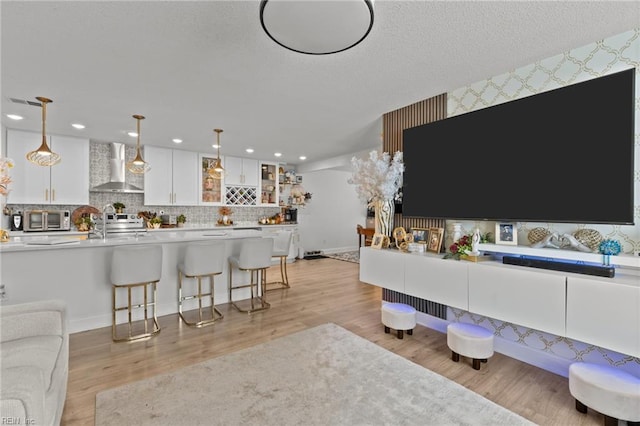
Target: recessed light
column 278, row 154
column 15, row 116
column 249, row 150
column 132, row 134
column 78, row 126
column 216, row 146
column 302, row 157
column 176, row 140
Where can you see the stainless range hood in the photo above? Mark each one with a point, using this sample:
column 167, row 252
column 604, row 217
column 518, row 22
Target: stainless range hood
column 116, row 173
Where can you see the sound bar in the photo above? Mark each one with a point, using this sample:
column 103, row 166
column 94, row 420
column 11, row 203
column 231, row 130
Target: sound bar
column 599, row 271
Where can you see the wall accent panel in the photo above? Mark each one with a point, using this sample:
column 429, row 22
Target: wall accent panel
column 393, row 123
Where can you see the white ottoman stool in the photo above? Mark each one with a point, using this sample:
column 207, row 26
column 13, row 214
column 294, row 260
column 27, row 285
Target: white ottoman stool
column 608, row 390
column 400, row 317
column 469, row 340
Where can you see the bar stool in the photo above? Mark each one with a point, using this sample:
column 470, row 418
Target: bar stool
column 255, row 257
column 136, row 267
column 281, row 247
column 201, row 259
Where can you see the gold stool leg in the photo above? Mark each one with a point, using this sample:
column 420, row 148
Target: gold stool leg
column 130, row 306
column 284, row 278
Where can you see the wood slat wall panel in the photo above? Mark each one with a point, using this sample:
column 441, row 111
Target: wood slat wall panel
column 393, row 123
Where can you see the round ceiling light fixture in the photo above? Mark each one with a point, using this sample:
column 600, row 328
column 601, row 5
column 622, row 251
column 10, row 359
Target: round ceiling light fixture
column 317, row 27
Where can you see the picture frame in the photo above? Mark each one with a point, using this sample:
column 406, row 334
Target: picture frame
column 377, row 241
column 420, row 235
column 435, row 239
column 506, row 233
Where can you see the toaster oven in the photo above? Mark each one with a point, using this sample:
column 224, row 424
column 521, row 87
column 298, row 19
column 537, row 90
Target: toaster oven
column 47, row 220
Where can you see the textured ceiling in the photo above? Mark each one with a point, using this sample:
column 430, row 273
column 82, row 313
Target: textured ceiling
column 190, row 67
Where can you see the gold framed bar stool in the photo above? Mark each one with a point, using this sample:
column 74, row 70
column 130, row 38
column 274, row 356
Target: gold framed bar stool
column 281, row 247
column 136, row 267
column 254, row 257
column 201, row 259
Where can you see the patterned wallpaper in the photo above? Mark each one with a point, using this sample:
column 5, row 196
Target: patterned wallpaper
column 600, row 58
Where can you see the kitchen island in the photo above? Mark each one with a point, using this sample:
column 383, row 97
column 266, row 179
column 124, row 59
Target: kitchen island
column 76, row 269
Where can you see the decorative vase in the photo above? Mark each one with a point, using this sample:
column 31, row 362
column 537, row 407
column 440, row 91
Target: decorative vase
column 384, row 210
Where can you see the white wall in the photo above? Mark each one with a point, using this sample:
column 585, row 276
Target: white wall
column 328, row 221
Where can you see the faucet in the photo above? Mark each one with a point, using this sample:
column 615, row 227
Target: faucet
column 104, row 219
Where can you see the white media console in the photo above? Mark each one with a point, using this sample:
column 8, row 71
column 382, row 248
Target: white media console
column 601, row 311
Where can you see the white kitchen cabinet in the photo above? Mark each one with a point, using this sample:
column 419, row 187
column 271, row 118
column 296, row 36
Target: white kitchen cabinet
column 240, row 171
column 269, row 188
column 430, row 278
column 605, row 311
column 173, row 178
column 65, row 183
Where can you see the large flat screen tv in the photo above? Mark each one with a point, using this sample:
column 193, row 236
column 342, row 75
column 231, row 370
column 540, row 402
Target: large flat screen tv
column 565, row 155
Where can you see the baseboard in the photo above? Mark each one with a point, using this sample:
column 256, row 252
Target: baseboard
column 339, row 249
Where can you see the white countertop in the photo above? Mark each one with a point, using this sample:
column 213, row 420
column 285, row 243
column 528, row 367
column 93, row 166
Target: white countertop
column 30, row 241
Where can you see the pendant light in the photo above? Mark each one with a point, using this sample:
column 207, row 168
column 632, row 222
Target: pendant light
column 216, row 170
column 138, row 165
column 43, row 156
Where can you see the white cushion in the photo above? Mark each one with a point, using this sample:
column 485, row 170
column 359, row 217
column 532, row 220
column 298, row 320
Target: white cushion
column 40, row 352
column 470, row 340
column 606, row 389
column 398, row 316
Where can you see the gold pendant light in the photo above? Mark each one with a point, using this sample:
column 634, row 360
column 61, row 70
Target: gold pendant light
column 216, row 170
column 43, row 156
column 138, row 165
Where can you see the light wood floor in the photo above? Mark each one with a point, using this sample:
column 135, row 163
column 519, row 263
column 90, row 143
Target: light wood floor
column 322, row 290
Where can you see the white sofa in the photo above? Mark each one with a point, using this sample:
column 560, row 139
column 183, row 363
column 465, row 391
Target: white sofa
column 34, row 362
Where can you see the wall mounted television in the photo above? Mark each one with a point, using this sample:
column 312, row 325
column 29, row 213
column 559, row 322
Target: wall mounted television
column 565, row 155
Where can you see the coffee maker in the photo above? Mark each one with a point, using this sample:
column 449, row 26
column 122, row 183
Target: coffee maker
column 290, row 215
column 16, row 221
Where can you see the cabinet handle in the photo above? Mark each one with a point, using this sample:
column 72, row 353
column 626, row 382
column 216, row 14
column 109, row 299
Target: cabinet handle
column 53, row 195
column 170, row 198
column 46, row 195
column 175, row 197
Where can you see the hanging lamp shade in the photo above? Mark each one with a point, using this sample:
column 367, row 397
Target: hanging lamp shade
column 43, row 156
column 216, row 170
column 138, row 165
column 317, row 27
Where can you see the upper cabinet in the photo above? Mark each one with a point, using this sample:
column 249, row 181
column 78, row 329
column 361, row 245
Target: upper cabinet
column 210, row 186
column 240, row 181
column 269, row 183
column 173, row 178
column 65, row 183
column 240, row 171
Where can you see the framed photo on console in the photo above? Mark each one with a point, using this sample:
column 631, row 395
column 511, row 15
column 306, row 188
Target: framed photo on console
column 506, row 233
column 435, row 239
column 420, row 235
column 377, row 241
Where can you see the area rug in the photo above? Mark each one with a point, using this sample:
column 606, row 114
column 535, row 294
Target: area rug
column 349, row 256
column 325, row 375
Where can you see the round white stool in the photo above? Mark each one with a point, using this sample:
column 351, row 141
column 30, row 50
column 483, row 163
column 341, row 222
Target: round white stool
column 136, row 267
column 469, row 340
column 608, row 390
column 201, row 259
column 255, row 257
column 400, row 317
